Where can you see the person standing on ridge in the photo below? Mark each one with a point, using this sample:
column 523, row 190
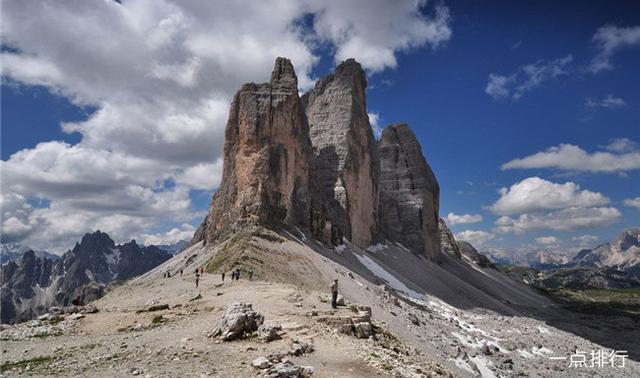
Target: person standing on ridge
column 334, row 294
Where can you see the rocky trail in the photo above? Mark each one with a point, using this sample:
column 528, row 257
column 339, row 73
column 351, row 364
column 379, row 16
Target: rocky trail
column 163, row 327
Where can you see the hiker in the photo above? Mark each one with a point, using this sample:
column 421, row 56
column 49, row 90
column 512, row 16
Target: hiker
column 164, row 275
column 334, row 293
column 250, row 274
column 180, row 273
column 168, row 274
column 222, row 276
column 197, row 280
column 237, row 274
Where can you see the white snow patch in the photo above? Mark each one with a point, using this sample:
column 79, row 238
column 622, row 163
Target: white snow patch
column 462, row 364
column 482, row 364
column 525, row 353
column 340, row 248
column 544, row 330
column 476, row 342
column 89, row 274
column 112, row 258
column 376, row 248
column 541, row 351
column 380, row 272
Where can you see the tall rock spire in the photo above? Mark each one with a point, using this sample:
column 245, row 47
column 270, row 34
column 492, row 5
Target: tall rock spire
column 345, row 164
column 409, row 192
column 266, row 158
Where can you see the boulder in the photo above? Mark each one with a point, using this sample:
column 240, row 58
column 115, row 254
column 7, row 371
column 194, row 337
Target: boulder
column 269, row 331
column 261, row 363
column 238, row 320
column 363, row 330
column 300, row 347
column 285, row 369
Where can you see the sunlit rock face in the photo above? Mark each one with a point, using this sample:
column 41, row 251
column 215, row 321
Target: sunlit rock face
column 267, row 153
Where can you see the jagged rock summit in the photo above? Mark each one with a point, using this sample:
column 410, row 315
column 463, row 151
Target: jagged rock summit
column 267, row 153
column 34, row 285
column 345, row 160
column 409, row 192
column 312, row 163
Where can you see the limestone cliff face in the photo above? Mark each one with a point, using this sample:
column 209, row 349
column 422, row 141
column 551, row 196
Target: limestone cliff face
column 409, row 192
column 448, row 243
column 345, row 164
column 267, row 153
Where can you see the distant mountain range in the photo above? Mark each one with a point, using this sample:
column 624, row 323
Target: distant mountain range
column 175, row 248
column 32, row 285
column 14, row 251
column 609, row 265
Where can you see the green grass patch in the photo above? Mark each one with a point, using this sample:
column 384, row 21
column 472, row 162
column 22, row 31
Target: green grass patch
column 621, row 302
column 22, row 364
column 221, row 261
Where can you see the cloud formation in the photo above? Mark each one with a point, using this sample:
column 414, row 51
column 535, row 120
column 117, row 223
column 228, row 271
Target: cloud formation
column 476, row 238
column 633, row 202
column 569, row 157
column 526, row 78
column 610, row 39
column 537, row 204
column 547, row 240
column 463, row 218
column 569, row 219
column 585, row 240
column 161, row 74
column 535, row 194
column 607, row 102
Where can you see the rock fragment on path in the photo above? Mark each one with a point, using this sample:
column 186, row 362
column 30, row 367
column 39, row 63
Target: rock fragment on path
column 269, row 331
column 238, row 320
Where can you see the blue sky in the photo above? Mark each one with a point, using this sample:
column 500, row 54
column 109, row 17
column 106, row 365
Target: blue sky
column 138, row 113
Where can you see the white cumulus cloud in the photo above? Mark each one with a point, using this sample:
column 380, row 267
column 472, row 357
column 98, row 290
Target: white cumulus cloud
column 161, row 74
column 633, row 202
column 176, row 234
column 570, row 157
column 476, row 238
column 547, row 240
column 568, row 219
column 463, row 218
column 535, row 194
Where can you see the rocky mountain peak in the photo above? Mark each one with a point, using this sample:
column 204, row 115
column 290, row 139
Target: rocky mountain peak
column 409, row 192
column 628, row 238
column 266, row 159
column 345, row 158
column 283, row 74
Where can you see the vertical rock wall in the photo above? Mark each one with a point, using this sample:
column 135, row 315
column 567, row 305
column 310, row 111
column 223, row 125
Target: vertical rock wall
column 266, row 158
column 345, row 165
column 409, row 192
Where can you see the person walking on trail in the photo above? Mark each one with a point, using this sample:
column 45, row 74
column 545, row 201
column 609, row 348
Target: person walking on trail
column 222, row 276
column 250, row 274
column 197, row 278
column 180, row 273
column 334, row 294
column 238, row 274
